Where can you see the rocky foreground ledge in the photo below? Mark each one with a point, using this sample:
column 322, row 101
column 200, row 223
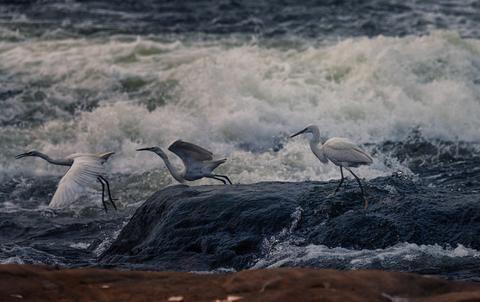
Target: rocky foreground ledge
column 40, row 283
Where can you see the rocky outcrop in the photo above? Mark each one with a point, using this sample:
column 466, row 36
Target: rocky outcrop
column 210, row 227
column 38, row 283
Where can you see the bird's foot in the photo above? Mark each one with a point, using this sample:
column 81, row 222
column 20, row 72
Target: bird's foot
column 365, row 203
column 49, row 212
column 112, row 201
column 331, row 195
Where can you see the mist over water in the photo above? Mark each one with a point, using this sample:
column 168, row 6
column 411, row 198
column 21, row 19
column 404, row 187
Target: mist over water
column 89, row 77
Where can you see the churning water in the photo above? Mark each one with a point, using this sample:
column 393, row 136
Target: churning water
column 401, row 78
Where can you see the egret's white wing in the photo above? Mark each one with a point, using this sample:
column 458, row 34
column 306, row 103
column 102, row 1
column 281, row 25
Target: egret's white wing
column 82, row 174
column 341, row 150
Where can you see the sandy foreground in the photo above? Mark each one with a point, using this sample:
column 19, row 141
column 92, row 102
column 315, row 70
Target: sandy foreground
column 42, row 283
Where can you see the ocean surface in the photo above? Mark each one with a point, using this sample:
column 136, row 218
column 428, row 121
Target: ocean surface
column 400, row 78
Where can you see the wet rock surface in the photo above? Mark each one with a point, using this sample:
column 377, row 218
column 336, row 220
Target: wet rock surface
column 212, row 227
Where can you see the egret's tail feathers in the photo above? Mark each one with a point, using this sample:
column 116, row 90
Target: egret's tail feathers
column 64, row 196
column 215, row 163
column 369, row 158
column 105, row 155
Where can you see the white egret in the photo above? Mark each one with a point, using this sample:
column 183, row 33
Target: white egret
column 198, row 162
column 339, row 151
column 85, row 170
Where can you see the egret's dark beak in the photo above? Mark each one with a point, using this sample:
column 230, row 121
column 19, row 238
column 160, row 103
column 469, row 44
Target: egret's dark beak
column 298, row 133
column 21, row 155
column 145, row 149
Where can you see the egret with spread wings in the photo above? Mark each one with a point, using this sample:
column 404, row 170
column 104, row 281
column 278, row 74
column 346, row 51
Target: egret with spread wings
column 85, row 170
column 198, row 162
column 339, row 151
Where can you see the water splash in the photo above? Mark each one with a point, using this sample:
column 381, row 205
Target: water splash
column 240, row 100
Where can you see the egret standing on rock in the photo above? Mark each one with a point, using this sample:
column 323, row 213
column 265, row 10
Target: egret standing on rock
column 198, row 162
column 85, row 170
column 339, row 151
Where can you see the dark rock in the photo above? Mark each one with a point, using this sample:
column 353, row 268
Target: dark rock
column 204, row 227
column 211, row 227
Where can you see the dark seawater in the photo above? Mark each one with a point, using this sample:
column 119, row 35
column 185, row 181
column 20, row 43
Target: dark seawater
column 401, row 78
column 310, row 19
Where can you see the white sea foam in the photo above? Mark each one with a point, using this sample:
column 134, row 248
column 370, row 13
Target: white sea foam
column 240, row 100
column 12, row 260
column 400, row 256
column 27, row 255
column 80, row 245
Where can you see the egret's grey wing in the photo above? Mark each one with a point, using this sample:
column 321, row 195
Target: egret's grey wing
column 197, row 160
column 340, row 150
column 188, row 151
column 83, row 173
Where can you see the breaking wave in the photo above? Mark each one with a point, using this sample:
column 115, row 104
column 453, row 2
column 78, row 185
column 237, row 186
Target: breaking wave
column 239, row 98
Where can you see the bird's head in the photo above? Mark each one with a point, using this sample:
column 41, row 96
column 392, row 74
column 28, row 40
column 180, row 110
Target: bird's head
column 310, row 129
column 29, row 153
column 157, row 150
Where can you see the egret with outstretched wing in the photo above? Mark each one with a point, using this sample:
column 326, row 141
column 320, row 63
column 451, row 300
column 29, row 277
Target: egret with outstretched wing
column 85, row 170
column 339, row 151
column 198, row 162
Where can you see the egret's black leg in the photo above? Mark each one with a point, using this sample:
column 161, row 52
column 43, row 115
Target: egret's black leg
column 341, row 181
column 103, row 194
column 109, row 193
column 217, row 178
column 361, row 188
column 224, row 176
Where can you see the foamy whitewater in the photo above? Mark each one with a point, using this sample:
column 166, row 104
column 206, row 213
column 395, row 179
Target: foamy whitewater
column 239, row 99
column 100, row 77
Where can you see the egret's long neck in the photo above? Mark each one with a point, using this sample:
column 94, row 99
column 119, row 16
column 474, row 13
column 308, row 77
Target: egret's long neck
column 315, row 139
column 175, row 173
column 317, row 147
column 59, row 162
